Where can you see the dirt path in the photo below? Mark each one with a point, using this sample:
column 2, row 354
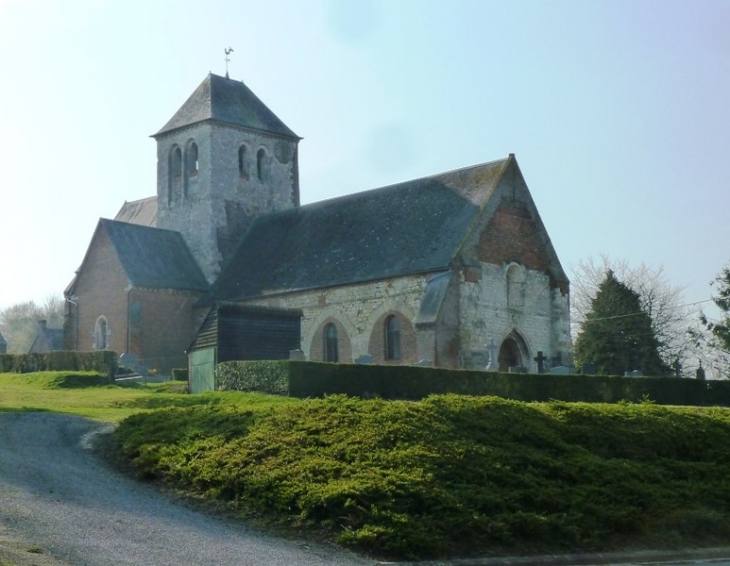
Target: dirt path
column 60, row 505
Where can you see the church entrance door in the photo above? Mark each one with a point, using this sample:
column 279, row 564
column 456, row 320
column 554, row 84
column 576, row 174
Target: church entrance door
column 509, row 354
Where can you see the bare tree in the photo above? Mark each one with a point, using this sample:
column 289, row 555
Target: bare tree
column 19, row 322
column 662, row 301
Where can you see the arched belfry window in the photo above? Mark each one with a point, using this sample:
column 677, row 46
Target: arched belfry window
column 331, row 348
column 242, row 162
column 175, row 172
column 101, row 334
column 261, row 165
column 392, row 338
column 515, row 286
column 192, row 159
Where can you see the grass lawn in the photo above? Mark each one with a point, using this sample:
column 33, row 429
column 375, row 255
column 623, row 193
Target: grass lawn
column 88, row 395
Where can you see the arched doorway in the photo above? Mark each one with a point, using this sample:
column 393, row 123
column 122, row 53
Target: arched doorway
column 512, row 352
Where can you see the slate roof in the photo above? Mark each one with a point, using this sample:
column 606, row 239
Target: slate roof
column 142, row 211
column 47, row 339
column 412, row 227
column 154, row 258
column 228, row 101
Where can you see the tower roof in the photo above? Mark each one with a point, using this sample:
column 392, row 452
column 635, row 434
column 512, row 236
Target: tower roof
column 228, row 101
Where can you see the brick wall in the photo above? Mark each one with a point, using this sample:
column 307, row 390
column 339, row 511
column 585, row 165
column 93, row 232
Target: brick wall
column 161, row 326
column 100, row 290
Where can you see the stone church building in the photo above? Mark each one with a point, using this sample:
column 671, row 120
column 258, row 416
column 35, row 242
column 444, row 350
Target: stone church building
column 429, row 270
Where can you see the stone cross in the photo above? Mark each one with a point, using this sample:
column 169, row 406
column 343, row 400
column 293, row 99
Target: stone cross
column 493, row 364
column 540, row 359
column 701, row 372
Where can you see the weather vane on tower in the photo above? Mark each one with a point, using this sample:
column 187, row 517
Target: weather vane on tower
column 228, row 51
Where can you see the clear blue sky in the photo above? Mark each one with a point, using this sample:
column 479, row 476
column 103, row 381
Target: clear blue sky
column 617, row 111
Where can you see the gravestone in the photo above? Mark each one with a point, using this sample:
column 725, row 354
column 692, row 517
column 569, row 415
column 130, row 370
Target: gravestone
column 677, row 367
column 634, row 373
column 561, row 370
column 364, row 359
column 701, row 373
column 129, row 360
column 493, row 364
column 297, row 355
column 518, row 369
column 588, row 369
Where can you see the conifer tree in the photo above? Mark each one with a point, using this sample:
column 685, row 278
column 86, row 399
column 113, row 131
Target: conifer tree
column 617, row 335
column 721, row 330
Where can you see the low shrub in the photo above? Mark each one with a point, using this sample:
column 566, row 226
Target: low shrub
column 453, row 475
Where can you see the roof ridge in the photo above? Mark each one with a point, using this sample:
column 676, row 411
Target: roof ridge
column 366, row 192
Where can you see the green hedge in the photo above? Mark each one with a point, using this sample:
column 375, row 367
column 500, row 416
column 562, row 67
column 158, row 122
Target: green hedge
column 103, row 362
column 262, row 376
column 315, row 379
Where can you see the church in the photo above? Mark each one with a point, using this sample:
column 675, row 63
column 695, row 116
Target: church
column 225, row 263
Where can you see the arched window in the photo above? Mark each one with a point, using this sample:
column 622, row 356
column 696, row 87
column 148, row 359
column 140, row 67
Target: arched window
column 192, row 159
column 176, row 163
column 242, row 165
column 331, row 350
column 101, row 334
column 261, row 165
column 392, row 338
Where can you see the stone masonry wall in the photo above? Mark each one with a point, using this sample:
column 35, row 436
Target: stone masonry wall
column 491, row 307
column 360, row 312
column 212, row 205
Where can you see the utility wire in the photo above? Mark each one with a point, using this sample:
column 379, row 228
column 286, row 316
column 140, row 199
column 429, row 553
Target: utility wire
column 644, row 312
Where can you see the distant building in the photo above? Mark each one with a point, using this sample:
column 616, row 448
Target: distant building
column 429, row 269
column 47, row 339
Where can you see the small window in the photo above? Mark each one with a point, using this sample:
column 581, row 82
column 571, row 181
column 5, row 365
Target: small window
column 101, row 334
column 392, row 338
column 242, row 166
column 192, row 159
column 331, row 351
column 261, row 165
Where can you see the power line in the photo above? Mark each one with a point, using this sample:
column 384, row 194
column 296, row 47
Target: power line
column 646, row 313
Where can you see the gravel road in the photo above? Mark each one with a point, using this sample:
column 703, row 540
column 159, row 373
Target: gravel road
column 60, row 500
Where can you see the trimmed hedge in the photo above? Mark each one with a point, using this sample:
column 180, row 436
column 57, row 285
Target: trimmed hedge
column 317, row 379
column 263, row 376
column 102, row 361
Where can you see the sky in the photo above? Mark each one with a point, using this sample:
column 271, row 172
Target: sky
column 617, row 112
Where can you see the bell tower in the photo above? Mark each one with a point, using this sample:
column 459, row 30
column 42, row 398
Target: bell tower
column 223, row 159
